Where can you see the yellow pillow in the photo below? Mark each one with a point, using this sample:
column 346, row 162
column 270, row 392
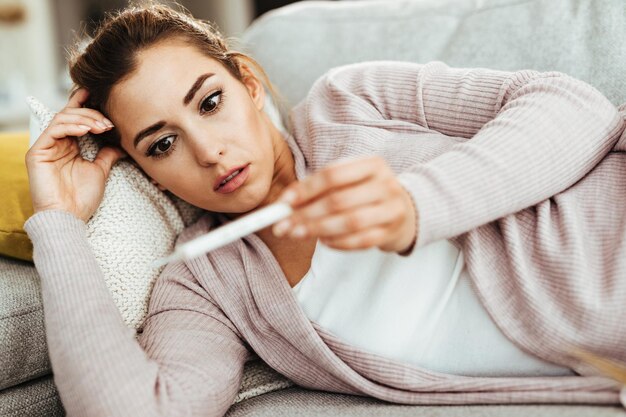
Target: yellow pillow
column 15, row 203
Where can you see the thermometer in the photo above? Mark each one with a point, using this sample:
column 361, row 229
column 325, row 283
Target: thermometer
column 228, row 233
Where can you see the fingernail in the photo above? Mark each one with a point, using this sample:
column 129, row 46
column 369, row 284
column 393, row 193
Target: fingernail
column 107, row 122
column 288, row 197
column 101, row 125
column 299, row 231
column 281, row 227
column 84, row 127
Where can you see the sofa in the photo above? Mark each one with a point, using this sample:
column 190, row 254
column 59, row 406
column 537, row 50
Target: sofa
column 298, row 43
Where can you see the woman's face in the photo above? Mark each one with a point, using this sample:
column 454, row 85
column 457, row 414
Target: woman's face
column 187, row 122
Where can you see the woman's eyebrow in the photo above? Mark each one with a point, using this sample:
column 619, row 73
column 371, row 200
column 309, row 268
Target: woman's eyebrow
column 147, row 132
column 195, row 87
column 159, row 125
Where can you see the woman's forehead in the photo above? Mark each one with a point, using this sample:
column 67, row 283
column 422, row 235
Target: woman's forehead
column 163, row 76
column 173, row 58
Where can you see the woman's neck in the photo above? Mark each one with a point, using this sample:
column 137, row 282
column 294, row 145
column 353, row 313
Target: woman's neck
column 284, row 171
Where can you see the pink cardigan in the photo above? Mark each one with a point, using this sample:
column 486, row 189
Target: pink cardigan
column 524, row 171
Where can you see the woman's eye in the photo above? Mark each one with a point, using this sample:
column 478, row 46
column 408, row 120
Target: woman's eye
column 161, row 147
column 211, row 103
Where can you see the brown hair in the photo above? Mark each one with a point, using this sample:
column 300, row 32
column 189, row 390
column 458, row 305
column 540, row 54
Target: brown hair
column 111, row 54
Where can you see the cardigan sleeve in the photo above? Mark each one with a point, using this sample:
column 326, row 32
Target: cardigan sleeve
column 188, row 361
column 529, row 135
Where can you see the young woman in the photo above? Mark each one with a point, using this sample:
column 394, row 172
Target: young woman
column 459, row 236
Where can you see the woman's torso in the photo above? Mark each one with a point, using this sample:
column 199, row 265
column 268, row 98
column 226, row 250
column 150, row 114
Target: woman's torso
column 418, row 309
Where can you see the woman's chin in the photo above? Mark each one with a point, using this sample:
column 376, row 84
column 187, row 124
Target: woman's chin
column 253, row 206
column 246, row 205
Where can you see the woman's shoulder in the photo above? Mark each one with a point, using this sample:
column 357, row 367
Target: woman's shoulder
column 367, row 79
column 177, row 275
column 366, row 67
column 360, row 71
column 178, row 271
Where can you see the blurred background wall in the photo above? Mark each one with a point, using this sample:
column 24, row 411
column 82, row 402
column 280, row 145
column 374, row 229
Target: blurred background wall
column 35, row 33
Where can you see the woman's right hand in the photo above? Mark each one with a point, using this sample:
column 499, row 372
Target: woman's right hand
column 59, row 177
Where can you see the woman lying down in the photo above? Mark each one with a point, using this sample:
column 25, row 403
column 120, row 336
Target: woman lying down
column 459, row 237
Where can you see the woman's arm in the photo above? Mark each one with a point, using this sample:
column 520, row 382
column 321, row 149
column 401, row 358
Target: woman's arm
column 531, row 134
column 188, row 360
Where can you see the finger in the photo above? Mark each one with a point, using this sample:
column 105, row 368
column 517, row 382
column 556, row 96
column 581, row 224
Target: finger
column 107, row 157
column 364, row 193
column 348, row 222
column 78, row 98
column 64, row 118
column 355, row 221
column 338, row 174
column 364, row 239
column 84, row 111
column 52, row 134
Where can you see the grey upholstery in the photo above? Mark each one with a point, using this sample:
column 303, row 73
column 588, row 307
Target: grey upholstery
column 37, row 397
column 295, row 45
column 305, row 403
column 23, row 351
column 584, row 38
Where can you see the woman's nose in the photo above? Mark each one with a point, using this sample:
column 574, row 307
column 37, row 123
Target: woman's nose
column 207, row 151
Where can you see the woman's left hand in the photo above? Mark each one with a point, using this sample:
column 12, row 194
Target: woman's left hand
column 355, row 204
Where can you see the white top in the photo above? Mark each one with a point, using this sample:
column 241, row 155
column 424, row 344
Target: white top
column 419, row 309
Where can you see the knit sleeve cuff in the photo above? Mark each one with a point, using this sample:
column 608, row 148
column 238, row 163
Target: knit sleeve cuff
column 54, row 226
column 425, row 220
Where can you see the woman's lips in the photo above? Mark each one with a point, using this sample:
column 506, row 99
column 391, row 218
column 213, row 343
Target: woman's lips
column 235, row 182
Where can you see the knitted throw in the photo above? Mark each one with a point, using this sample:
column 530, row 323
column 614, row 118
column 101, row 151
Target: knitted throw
column 134, row 224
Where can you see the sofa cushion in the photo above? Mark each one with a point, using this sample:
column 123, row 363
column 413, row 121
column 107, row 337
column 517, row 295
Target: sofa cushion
column 585, row 39
column 23, row 349
column 306, row 403
column 16, row 202
column 34, row 398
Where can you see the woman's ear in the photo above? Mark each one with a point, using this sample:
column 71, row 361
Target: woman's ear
column 254, row 86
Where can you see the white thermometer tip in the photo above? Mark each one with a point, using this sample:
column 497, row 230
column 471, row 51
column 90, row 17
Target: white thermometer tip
column 157, row 263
